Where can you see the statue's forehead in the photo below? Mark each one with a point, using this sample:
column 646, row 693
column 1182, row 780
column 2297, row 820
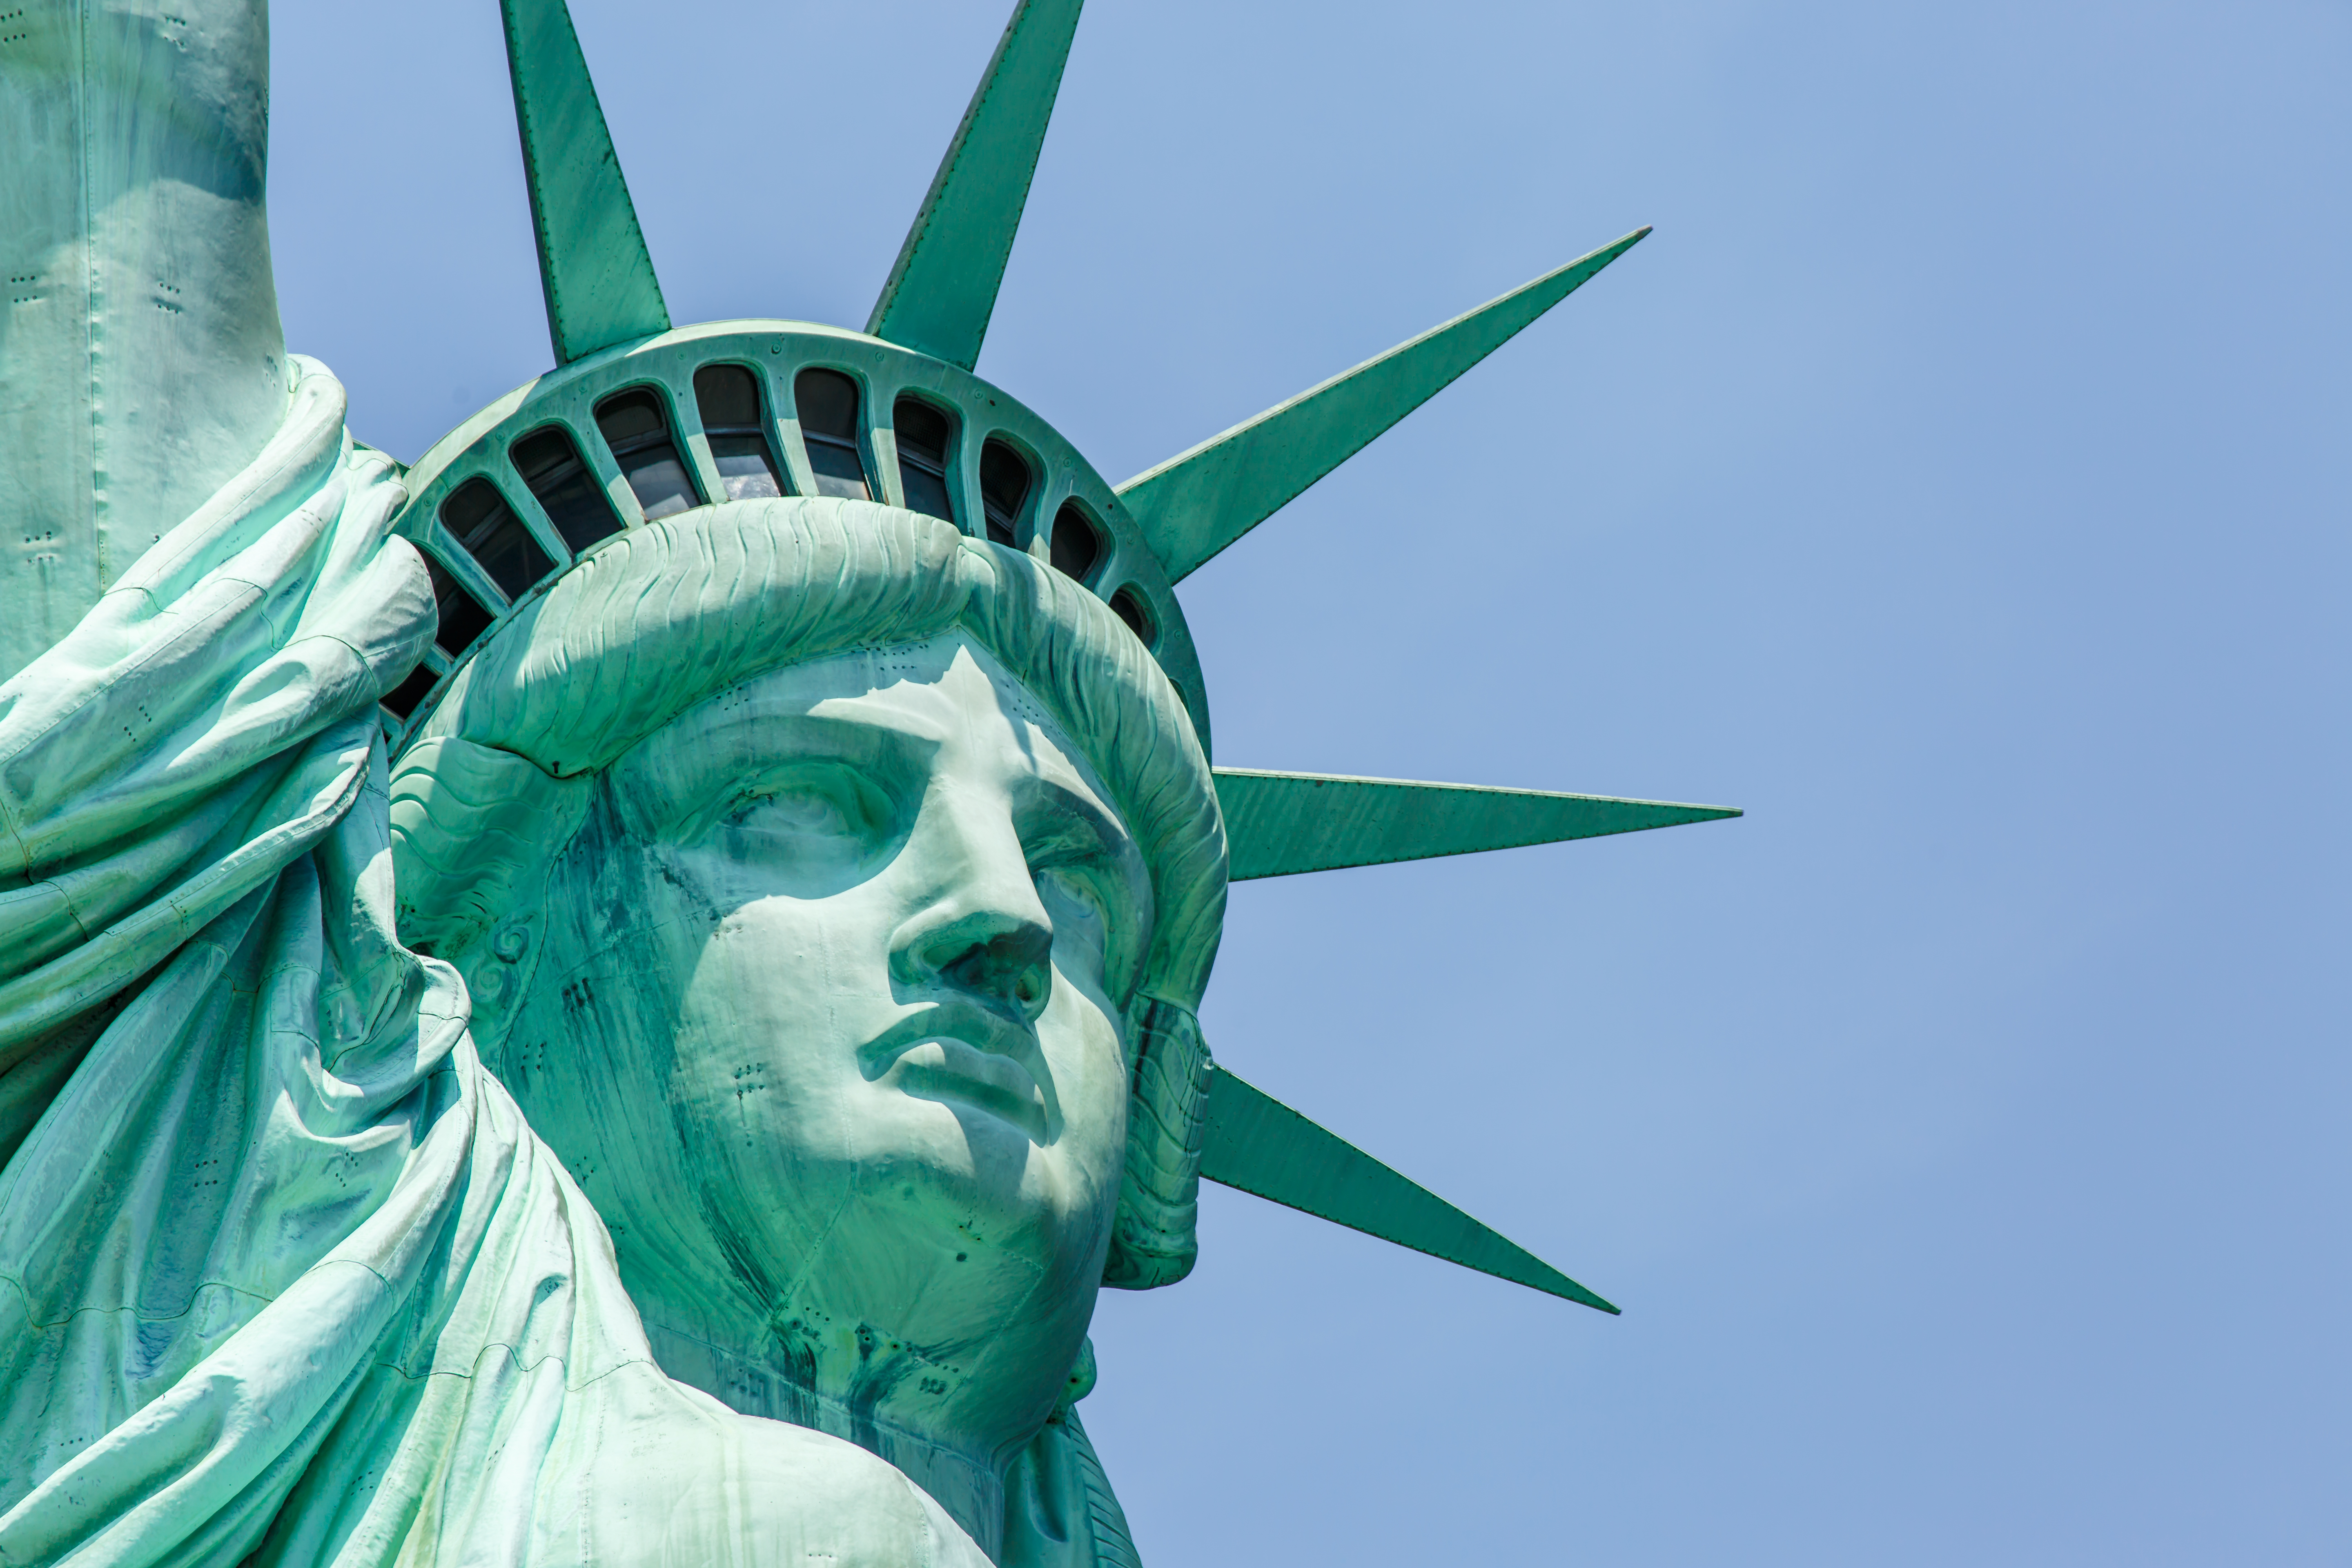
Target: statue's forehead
column 950, row 694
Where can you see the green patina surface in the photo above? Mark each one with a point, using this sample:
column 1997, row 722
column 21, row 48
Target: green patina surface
column 617, row 996
column 1259, row 1144
column 592, row 264
column 142, row 363
column 942, row 289
column 1199, row 501
column 1278, row 824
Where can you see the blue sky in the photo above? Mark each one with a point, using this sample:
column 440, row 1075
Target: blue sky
column 1956, row 480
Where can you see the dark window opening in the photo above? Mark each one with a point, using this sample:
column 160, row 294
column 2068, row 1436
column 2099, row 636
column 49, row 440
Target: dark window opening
column 403, row 698
column 729, row 401
column 1076, row 544
column 826, row 402
column 486, row 529
column 639, row 432
column 552, row 470
column 463, row 618
column 1127, row 604
column 924, row 433
column 1004, row 481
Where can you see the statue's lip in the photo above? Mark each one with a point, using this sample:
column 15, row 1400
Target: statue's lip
column 962, row 1052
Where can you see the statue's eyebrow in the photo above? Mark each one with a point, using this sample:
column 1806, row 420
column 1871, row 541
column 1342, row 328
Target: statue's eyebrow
column 686, row 776
column 1105, row 833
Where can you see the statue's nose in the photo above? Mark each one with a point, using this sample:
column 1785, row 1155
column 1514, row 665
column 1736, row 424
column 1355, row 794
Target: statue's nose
column 983, row 931
column 993, row 955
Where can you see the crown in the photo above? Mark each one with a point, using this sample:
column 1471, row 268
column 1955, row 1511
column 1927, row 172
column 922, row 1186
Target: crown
column 642, row 419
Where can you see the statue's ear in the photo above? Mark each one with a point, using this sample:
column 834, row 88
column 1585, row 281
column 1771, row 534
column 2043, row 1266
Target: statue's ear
column 472, row 830
column 1153, row 1242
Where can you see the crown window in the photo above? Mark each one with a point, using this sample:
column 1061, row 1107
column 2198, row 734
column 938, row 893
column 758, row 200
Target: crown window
column 486, row 529
column 826, row 401
column 1004, row 481
column 463, row 618
column 1128, row 606
column 1077, row 546
column 575, row 503
column 637, row 431
column 403, row 699
column 924, row 435
column 729, row 401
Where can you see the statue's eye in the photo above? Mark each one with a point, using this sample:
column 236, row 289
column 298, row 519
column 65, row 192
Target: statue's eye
column 1076, row 898
column 795, row 811
column 1093, row 928
column 823, row 804
column 1081, row 863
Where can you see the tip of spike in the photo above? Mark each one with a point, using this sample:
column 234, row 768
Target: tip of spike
column 1554, row 1283
column 1197, row 502
column 1257, row 1143
column 1278, row 824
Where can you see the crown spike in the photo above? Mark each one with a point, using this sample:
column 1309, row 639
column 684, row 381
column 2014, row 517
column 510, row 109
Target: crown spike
column 592, row 263
column 942, row 289
column 1278, row 824
column 1254, row 1141
column 1199, row 501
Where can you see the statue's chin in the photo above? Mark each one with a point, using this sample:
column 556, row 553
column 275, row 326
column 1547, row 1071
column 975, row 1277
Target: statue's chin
column 949, row 1215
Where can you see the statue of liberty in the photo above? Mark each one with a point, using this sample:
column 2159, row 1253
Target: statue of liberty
column 612, row 996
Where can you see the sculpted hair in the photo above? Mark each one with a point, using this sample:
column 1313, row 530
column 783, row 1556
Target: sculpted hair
column 655, row 621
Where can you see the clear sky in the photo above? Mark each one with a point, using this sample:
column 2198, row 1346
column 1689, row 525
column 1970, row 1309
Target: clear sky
column 1956, row 481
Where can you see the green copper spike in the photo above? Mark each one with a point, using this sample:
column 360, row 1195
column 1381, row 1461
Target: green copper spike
column 592, row 263
column 1279, row 824
column 1197, row 502
column 943, row 288
column 1255, row 1142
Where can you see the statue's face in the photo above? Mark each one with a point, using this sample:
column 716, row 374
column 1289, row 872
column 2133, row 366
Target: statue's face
column 828, row 1021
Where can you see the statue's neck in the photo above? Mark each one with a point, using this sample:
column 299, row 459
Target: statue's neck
column 960, row 1479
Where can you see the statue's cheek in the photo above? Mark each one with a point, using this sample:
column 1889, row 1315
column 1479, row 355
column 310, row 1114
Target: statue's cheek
column 781, row 995
column 1087, row 1062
